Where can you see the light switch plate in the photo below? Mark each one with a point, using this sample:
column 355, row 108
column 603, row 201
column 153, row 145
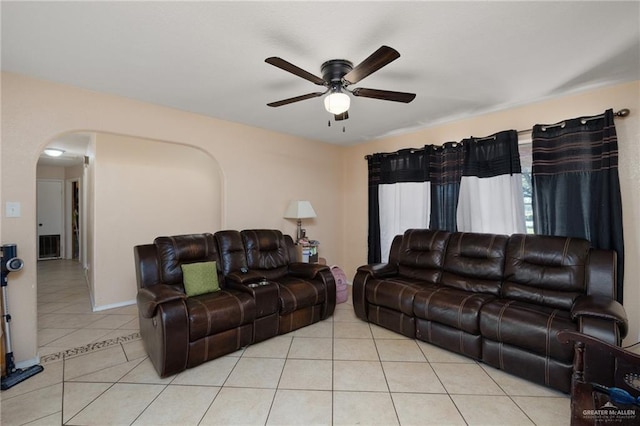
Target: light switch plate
column 12, row 209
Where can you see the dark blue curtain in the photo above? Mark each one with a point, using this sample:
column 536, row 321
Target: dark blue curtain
column 373, row 163
column 446, row 165
column 576, row 189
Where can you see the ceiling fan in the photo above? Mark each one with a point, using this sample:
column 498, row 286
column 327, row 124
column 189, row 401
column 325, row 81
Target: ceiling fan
column 337, row 75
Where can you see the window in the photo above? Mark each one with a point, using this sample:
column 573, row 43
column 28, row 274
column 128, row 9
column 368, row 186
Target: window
column 526, row 162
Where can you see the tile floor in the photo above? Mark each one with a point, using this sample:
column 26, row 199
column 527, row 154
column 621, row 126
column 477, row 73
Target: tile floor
column 339, row 371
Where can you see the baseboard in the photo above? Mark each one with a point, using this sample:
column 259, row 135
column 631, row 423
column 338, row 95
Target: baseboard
column 28, row 363
column 114, row 305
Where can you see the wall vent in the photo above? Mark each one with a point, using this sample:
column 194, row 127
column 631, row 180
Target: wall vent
column 49, row 247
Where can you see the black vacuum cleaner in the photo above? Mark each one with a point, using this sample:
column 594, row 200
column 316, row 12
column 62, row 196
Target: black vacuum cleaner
column 11, row 263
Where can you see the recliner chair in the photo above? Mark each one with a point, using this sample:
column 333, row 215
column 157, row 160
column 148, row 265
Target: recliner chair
column 306, row 291
column 181, row 332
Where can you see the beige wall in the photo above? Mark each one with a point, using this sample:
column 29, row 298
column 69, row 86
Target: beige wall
column 144, row 189
column 50, row 172
column 520, row 118
column 261, row 172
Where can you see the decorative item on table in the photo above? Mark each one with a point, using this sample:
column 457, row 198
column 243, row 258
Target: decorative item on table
column 308, row 250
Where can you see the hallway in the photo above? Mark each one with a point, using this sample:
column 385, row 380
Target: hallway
column 65, row 319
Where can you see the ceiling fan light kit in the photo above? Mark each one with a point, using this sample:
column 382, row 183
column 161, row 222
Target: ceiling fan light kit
column 337, row 102
column 337, row 74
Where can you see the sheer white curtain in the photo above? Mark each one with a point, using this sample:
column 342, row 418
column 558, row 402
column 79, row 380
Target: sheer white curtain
column 402, row 206
column 491, row 198
column 492, row 205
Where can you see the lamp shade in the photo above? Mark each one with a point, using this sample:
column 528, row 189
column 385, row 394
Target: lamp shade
column 298, row 209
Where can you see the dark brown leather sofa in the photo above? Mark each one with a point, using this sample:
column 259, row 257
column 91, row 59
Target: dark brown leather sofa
column 498, row 299
column 181, row 332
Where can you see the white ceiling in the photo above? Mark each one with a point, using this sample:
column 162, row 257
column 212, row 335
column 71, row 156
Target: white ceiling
column 460, row 58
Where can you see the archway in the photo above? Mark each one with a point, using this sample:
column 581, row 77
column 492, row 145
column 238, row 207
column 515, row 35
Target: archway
column 133, row 189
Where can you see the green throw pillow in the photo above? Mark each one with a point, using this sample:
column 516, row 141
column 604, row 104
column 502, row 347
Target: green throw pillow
column 200, row 278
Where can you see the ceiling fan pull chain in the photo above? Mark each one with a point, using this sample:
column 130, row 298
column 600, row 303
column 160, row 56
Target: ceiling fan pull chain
column 343, row 129
column 329, row 123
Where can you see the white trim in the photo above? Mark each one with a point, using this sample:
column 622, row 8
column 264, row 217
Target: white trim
column 114, row 305
column 28, row 363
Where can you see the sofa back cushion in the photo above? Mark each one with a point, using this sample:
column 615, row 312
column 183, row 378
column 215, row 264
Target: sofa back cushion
column 475, row 262
column 422, row 253
column 266, row 251
column 176, row 250
column 231, row 251
column 545, row 270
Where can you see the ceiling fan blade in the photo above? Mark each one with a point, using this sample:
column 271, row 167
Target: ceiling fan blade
column 373, row 63
column 296, row 99
column 288, row 66
column 385, row 95
column 340, row 117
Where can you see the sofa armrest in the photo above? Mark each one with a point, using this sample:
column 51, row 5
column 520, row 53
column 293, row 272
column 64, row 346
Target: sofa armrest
column 149, row 298
column 601, row 308
column 379, row 270
column 243, row 277
column 306, row 270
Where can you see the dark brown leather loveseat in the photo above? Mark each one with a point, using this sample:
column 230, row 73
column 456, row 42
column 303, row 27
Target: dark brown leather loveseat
column 181, row 332
column 496, row 298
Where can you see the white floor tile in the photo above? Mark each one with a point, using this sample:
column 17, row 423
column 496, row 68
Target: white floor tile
column 311, row 348
column 546, row 411
column 363, row 408
column 120, row 404
column 32, row 406
column 239, row 406
column 359, row 376
column 355, row 349
column 412, row 377
column 426, row 410
column 301, row 407
column 490, row 410
column 466, row 379
column 307, row 374
column 178, row 405
column 256, row 373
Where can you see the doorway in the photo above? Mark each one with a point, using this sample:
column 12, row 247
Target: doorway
column 73, row 219
column 50, row 227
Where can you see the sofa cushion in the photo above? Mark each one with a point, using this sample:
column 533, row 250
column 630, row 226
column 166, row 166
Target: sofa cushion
column 528, row 326
column 179, row 249
column 199, row 278
column 266, row 249
column 297, row 293
column 545, row 270
column 421, row 254
column 475, row 262
column 455, row 308
column 231, row 251
column 395, row 293
column 222, row 310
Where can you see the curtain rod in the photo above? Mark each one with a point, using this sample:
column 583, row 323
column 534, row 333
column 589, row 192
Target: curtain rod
column 624, row 112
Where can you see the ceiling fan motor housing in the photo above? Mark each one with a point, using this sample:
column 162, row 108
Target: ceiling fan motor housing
column 334, row 70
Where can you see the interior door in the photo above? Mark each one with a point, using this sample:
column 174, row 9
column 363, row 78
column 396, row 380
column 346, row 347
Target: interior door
column 50, row 218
